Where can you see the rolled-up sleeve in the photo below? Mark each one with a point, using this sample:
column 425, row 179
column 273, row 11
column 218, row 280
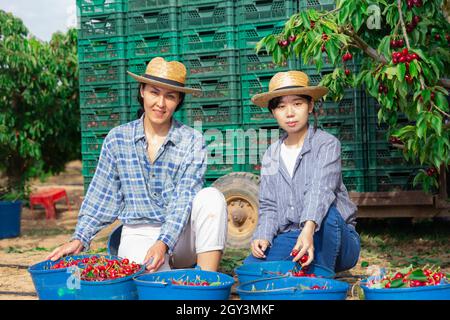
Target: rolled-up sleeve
column 267, row 214
column 191, row 182
column 325, row 180
column 103, row 200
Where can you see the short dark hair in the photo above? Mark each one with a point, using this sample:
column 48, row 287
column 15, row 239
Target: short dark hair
column 141, row 111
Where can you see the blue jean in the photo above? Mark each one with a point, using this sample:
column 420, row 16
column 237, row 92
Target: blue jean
column 336, row 245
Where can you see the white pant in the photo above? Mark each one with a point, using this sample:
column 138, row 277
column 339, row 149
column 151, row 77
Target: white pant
column 206, row 231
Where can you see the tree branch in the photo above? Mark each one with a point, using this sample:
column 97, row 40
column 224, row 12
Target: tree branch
column 371, row 52
column 400, row 14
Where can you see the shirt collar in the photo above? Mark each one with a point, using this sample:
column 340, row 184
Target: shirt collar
column 174, row 134
column 306, row 144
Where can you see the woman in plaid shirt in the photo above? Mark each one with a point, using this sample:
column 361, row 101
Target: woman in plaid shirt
column 150, row 177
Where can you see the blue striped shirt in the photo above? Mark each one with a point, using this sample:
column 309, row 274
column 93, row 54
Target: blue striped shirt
column 128, row 187
column 286, row 203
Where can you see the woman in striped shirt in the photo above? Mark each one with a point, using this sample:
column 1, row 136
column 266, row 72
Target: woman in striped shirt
column 303, row 203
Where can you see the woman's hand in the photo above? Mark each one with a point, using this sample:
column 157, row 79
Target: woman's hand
column 155, row 257
column 305, row 243
column 259, row 246
column 72, row 247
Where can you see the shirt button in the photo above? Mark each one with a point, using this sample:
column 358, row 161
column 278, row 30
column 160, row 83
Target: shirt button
column 292, row 208
column 153, row 175
column 155, row 194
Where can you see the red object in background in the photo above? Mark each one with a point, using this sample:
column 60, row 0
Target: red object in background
column 47, row 198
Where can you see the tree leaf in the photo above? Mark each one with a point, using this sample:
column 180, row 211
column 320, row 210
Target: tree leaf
column 401, row 71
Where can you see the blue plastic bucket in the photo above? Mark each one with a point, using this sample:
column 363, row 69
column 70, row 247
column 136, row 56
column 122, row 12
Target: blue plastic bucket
column 270, row 269
column 290, row 288
column 10, row 212
column 56, row 285
column 158, row 285
column 52, row 284
column 438, row 292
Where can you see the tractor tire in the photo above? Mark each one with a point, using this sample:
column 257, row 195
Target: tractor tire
column 241, row 193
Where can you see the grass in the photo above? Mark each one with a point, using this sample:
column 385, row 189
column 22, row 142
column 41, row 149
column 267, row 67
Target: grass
column 39, row 232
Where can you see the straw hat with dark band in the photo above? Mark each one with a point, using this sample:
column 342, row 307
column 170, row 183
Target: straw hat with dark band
column 165, row 74
column 288, row 83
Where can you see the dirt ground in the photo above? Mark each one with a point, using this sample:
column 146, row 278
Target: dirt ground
column 427, row 243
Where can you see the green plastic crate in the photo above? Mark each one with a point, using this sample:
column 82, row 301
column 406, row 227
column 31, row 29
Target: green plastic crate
column 91, row 142
column 220, row 63
column 89, row 164
column 211, row 114
column 346, row 130
column 146, row 45
column 211, row 14
column 101, row 97
column 105, row 72
column 252, row 84
column 152, row 21
column 248, row 11
column 385, row 155
column 354, row 180
column 96, row 120
column 94, row 50
column 393, row 179
column 250, row 34
column 208, row 40
column 350, row 106
column 252, row 114
column 214, row 88
column 145, row 5
column 353, row 156
column 261, row 62
column 88, row 8
column 317, row 4
column 107, row 25
column 86, row 182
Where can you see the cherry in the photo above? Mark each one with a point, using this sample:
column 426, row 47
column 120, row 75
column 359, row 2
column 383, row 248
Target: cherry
column 324, row 36
column 292, row 38
column 400, row 43
column 294, row 252
column 323, row 48
column 284, row 43
column 304, row 258
column 416, row 19
column 432, row 96
column 414, row 56
column 388, row 285
column 408, row 78
column 437, row 36
column 393, row 43
column 312, row 24
column 347, row 72
column 125, row 261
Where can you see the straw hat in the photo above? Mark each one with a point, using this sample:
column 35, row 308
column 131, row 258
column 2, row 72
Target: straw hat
column 165, row 74
column 288, row 83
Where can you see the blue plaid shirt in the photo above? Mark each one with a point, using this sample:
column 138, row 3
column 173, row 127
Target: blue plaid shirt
column 128, row 187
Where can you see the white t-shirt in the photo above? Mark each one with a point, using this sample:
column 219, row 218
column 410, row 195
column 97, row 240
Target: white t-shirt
column 289, row 156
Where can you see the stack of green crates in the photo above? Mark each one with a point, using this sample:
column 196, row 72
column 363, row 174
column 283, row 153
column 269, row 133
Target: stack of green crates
column 208, row 50
column 103, row 85
column 152, row 31
column 387, row 169
column 216, row 40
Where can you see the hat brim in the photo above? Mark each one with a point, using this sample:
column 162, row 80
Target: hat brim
column 162, row 84
column 262, row 99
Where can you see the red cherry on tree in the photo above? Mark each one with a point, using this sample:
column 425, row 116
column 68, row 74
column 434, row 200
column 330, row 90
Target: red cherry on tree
column 347, row 72
column 292, row 38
